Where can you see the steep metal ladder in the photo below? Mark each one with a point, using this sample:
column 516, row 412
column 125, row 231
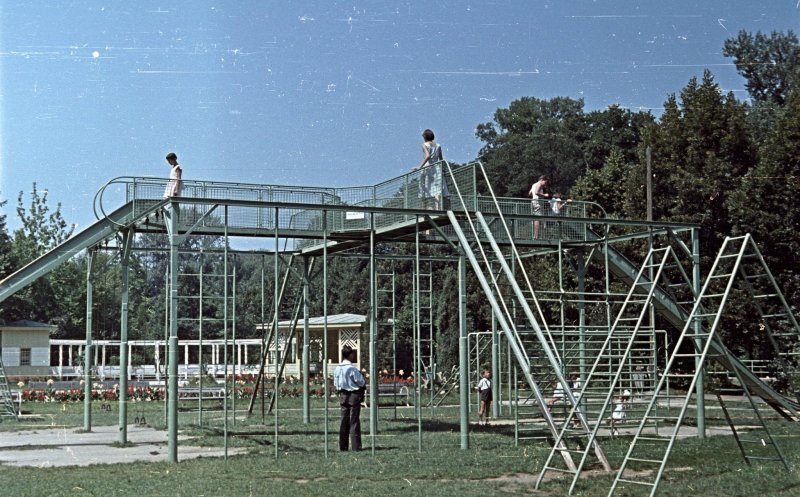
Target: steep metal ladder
column 695, row 344
column 776, row 317
column 603, row 380
column 452, row 380
column 503, row 314
column 425, row 320
column 9, row 408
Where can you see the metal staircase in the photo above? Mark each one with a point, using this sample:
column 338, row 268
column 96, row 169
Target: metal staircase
column 9, row 407
column 603, row 382
column 673, row 311
column 474, row 249
column 694, row 345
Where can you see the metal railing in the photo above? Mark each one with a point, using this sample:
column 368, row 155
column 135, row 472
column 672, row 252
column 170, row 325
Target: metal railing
column 299, row 210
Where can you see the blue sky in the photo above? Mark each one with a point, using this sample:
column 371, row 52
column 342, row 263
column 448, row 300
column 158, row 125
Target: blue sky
column 322, row 93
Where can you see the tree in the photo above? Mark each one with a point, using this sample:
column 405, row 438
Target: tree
column 43, row 229
column 533, row 137
column 770, row 64
column 701, row 147
column 763, row 202
column 51, row 299
column 5, row 246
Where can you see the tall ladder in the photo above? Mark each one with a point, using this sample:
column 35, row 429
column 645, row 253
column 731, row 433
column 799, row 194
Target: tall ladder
column 386, row 307
column 425, row 318
column 9, row 408
column 776, row 317
column 694, row 344
column 503, row 314
column 603, row 380
column 208, row 311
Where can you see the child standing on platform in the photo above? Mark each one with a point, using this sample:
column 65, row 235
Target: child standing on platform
column 485, row 391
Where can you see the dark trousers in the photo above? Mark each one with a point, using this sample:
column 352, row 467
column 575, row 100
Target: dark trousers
column 350, row 427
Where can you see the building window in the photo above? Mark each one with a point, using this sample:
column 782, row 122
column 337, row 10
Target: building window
column 24, row 357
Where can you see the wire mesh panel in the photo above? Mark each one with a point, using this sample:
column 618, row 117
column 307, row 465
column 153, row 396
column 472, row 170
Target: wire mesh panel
column 252, row 208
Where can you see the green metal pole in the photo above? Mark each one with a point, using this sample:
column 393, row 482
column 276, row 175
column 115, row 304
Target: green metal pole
column 581, row 316
column 172, row 374
column 87, row 351
column 123, row 339
column 234, row 348
column 326, row 388
column 229, row 391
column 495, row 365
column 373, row 327
column 306, row 345
column 200, row 340
column 416, row 344
column 463, row 352
column 276, row 330
column 699, row 390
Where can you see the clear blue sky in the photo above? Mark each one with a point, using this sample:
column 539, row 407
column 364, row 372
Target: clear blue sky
column 321, row 93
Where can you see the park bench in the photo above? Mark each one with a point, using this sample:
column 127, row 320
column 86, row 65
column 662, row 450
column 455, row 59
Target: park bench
column 195, row 393
column 395, row 390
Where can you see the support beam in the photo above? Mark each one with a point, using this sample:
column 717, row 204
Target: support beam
column 87, row 350
column 171, row 215
column 124, row 349
column 463, row 352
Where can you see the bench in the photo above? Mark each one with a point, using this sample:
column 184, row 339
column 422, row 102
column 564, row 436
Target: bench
column 195, row 393
column 393, row 390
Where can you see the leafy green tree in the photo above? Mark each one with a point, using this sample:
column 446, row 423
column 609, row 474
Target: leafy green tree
column 530, row 138
column 5, row 246
column 763, row 202
column 700, row 149
column 51, row 299
column 769, row 64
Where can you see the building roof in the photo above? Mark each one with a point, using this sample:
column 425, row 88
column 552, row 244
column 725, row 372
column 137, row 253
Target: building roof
column 25, row 323
column 333, row 320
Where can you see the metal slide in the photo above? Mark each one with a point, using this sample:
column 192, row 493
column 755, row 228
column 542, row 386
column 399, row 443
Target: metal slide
column 47, row 262
column 677, row 316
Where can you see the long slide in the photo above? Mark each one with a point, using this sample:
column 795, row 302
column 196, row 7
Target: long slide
column 677, row 316
column 94, row 234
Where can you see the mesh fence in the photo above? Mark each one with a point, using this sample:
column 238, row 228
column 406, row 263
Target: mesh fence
column 438, row 187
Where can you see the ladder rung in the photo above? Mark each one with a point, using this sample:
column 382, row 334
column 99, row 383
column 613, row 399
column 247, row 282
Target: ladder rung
column 759, row 442
column 549, row 468
column 762, row 458
column 755, row 276
column 654, row 439
column 765, row 296
column 778, row 315
column 649, row 461
column 720, row 275
column 637, row 482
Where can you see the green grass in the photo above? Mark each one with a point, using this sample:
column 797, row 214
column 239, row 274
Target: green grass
column 492, row 466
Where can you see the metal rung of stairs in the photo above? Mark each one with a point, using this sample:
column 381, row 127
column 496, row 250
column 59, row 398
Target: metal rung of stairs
column 630, row 311
column 9, row 408
column 726, row 265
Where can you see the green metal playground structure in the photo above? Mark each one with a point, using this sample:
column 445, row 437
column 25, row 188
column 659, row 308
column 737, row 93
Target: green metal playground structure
column 596, row 335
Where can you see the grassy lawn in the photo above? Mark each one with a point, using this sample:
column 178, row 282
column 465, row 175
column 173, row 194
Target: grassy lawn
column 492, row 466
